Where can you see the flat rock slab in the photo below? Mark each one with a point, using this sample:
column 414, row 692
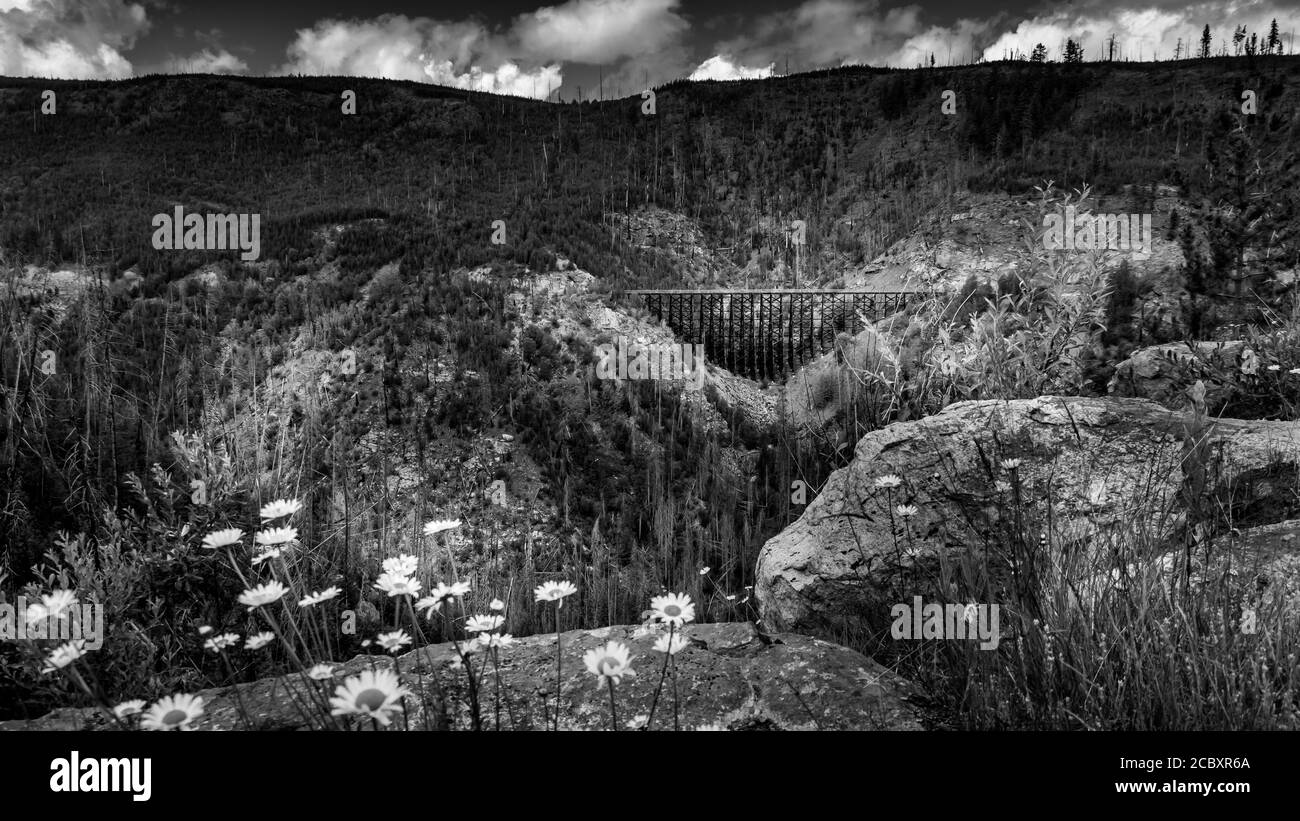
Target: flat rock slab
column 728, row 677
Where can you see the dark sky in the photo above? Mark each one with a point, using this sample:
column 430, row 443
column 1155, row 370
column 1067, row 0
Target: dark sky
column 522, row 47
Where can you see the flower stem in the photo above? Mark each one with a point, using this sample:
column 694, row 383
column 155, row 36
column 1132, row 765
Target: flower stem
column 613, row 712
column 496, row 668
column 663, row 671
column 557, row 665
column 672, row 660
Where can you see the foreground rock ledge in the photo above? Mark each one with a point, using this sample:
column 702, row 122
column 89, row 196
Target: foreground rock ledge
column 728, row 677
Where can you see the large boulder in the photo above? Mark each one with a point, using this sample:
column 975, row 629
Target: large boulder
column 731, row 676
column 1163, row 373
column 1071, row 471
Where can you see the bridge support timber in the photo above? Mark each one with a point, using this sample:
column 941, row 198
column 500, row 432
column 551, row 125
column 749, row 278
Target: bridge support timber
column 769, row 334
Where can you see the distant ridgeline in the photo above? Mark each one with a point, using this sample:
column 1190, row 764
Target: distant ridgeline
column 860, row 156
column 771, row 334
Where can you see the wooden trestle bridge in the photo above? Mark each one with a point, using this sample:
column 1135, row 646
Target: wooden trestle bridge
column 770, row 334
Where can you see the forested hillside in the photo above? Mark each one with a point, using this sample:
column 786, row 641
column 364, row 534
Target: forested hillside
column 467, row 365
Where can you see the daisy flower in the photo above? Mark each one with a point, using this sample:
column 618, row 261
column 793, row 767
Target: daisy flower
column 673, row 608
column 889, row 480
column 129, row 708
column 276, row 535
column 481, row 624
column 637, row 722
column 273, row 553
column 321, row 672
column 490, row 640
column 280, row 508
column 259, row 641
column 394, row 641
column 439, row 525
column 55, row 603
column 262, row 595
column 397, row 585
column 677, row 644
column 64, row 654
column 222, row 538
column 1010, row 464
column 906, row 511
column 554, row 591
column 497, row 605
column 403, row 565
column 441, row 594
column 173, row 712
column 319, row 596
column 649, row 628
column 715, row 727
column 374, row 693
column 610, row 662
column 51, row 605
column 704, row 571
column 218, row 643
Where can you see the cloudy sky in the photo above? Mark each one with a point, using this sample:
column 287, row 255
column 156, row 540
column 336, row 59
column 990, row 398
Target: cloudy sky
column 614, row 47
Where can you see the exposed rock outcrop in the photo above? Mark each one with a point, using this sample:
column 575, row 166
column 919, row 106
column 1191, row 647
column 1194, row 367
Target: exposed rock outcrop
column 1163, row 373
column 1083, row 470
column 729, row 676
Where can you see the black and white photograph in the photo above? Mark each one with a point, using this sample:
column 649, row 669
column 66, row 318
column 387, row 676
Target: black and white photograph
column 889, row 371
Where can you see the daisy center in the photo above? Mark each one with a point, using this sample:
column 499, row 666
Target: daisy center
column 371, row 699
column 607, row 665
column 175, row 717
column 672, row 611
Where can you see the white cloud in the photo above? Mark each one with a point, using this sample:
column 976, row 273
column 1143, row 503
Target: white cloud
column 599, row 31
column 392, row 46
column 460, row 54
column 77, row 39
column 206, row 61
column 828, row 33
column 1141, row 33
column 633, row 36
column 721, row 67
column 508, row 78
column 958, row 43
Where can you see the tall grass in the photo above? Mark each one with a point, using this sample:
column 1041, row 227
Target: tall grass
column 1167, row 623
